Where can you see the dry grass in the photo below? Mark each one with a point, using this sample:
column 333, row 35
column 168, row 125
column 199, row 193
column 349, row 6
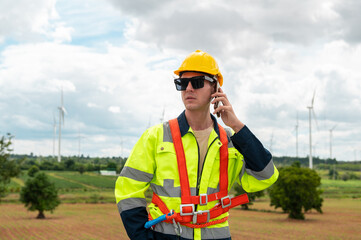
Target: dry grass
column 341, row 220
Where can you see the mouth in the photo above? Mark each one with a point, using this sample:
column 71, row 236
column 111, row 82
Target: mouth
column 190, row 98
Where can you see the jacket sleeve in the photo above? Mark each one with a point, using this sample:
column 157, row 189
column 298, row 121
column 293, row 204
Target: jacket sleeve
column 131, row 185
column 258, row 172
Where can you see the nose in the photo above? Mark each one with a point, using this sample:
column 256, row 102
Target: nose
column 189, row 86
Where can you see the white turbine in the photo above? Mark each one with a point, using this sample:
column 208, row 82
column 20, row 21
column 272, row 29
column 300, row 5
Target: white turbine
column 79, row 143
column 54, row 134
column 310, row 109
column 62, row 111
column 162, row 117
column 271, row 143
column 331, row 140
column 296, row 128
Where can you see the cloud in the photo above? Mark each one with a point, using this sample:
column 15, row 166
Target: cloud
column 114, row 109
column 61, row 33
column 114, row 61
column 26, row 21
column 350, row 19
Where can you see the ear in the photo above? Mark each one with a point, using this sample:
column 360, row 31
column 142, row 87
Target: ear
column 214, row 88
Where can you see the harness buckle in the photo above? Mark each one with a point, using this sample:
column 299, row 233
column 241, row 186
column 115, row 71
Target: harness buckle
column 186, row 213
column 201, row 196
column 226, row 201
column 201, row 212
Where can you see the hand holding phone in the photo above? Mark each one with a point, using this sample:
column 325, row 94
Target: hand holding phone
column 217, row 103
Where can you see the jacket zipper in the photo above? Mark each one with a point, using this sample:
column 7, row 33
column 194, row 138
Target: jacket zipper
column 205, row 157
column 200, row 175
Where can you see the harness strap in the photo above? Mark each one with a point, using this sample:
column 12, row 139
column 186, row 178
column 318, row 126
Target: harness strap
column 203, row 217
column 181, row 160
column 182, row 166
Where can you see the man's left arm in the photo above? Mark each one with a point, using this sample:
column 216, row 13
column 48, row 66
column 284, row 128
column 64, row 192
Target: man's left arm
column 258, row 172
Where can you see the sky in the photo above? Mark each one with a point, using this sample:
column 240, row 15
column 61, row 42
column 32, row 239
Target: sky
column 114, row 62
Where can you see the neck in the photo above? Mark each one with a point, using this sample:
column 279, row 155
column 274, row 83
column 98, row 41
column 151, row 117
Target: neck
column 199, row 120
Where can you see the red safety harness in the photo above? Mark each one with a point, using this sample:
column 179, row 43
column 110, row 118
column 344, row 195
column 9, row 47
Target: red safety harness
column 187, row 212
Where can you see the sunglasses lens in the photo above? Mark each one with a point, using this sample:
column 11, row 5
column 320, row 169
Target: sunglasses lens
column 181, row 84
column 197, row 82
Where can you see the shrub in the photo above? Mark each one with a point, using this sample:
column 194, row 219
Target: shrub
column 296, row 190
column 33, row 170
column 39, row 194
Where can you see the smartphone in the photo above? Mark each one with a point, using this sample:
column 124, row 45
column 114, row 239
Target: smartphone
column 217, row 103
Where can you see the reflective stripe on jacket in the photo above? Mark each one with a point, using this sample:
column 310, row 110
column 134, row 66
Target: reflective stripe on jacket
column 153, row 163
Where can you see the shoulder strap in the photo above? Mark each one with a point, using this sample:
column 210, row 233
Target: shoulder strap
column 181, row 160
column 223, row 173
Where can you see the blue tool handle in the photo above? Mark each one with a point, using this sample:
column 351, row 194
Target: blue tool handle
column 155, row 221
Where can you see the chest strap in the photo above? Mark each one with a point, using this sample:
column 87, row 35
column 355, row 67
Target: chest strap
column 201, row 218
column 202, row 199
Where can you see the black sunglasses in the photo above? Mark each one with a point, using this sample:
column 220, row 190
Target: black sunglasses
column 197, row 82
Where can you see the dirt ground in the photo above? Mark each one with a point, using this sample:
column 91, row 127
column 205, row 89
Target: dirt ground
column 341, row 220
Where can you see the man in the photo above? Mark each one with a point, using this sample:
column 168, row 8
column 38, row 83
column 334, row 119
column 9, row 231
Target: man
column 191, row 163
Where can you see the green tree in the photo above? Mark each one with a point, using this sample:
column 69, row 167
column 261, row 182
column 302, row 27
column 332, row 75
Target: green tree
column 8, row 168
column 111, row 166
column 80, row 168
column 251, row 196
column 39, row 194
column 69, row 164
column 33, row 170
column 333, row 173
column 296, row 190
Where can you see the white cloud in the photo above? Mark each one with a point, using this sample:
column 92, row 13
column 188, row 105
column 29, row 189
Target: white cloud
column 61, row 33
column 26, row 21
column 115, row 63
column 114, row 109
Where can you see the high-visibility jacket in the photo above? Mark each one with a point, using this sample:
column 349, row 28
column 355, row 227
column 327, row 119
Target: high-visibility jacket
column 153, row 163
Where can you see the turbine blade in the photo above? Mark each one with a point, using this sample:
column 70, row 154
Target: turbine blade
column 313, row 97
column 333, row 127
column 62, row 97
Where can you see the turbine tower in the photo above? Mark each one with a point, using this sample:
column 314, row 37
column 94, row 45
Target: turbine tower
column 296, row 128
column 311, row 112
column 62, row 111
column 331, row 140
column 54, row 134
column 162, row 117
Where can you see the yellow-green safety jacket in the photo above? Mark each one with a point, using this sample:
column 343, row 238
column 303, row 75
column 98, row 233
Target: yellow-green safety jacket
column 152, row 163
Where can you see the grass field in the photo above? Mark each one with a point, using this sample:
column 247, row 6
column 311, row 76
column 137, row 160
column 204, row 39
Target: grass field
column 74, row 184
column 341, row 220
column 341, row 189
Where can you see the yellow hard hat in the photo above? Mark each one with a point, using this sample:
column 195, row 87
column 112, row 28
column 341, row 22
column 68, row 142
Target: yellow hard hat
column 200, row 61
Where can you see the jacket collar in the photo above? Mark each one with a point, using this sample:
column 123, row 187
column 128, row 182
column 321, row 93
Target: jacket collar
column 184, row 126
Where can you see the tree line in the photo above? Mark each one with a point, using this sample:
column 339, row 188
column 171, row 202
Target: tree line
column 69, row 163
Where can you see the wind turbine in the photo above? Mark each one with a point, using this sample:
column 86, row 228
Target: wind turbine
column 162, row 117
column 296, row 128
column 271, row 143
column 79, row 143
column 62, row 111
column 331, row 140
column 310, row 109
column 54, row 128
